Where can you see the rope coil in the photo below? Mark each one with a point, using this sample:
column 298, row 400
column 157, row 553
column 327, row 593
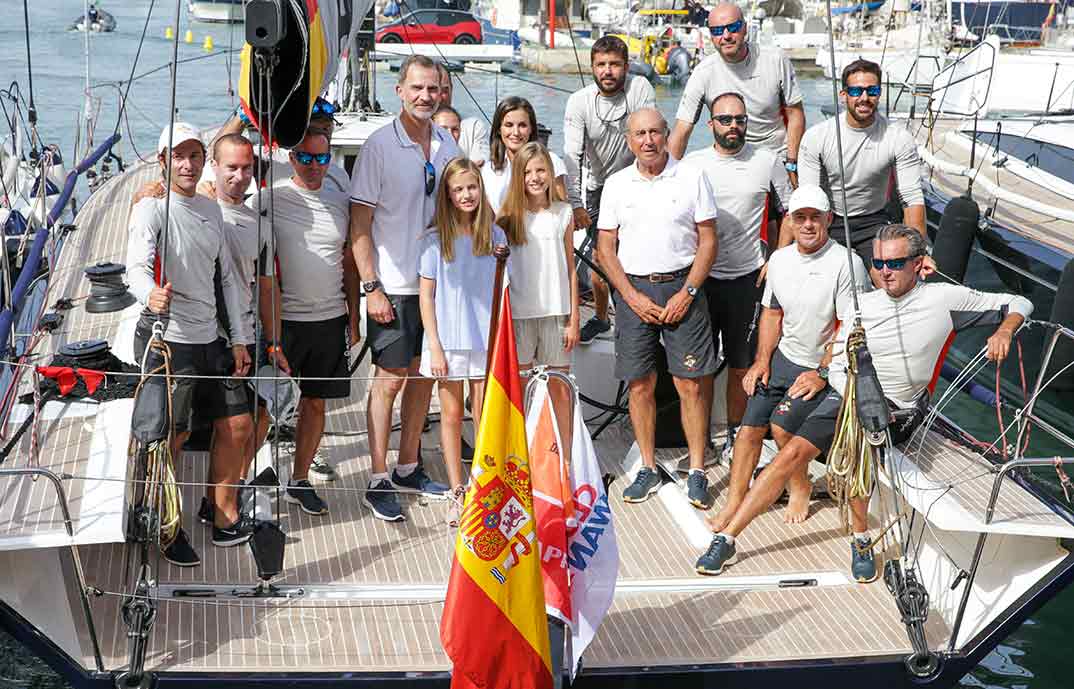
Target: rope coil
column 851, row 460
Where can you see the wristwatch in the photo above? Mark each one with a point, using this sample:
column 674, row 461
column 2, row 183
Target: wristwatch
column 822, row 371
column 692, row 291
column 791, row 165
column 370, row 286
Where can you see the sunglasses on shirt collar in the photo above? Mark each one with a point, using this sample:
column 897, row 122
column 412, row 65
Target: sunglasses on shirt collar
column 430, row 178
column 856, row 91
column 733, row 27
column 305, row 157
column 892, row 263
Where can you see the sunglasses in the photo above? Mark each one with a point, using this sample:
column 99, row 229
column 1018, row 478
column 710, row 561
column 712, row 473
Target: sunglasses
column 726, row 120
column 856, row 91
column 306, row 158
column 323, row 107
column 733, row 27
column 430, row 178
column 891, row 263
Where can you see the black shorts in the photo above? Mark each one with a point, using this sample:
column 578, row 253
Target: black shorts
column 819, row 427
column 771, row 405
column 733, row 312
column 238, row 395
column 318, row 349
column 688, row 343
column 396, row 344
column 863, row 229
column 214, row 398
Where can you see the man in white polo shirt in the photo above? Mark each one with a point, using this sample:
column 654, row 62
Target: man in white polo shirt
column 473, row 131
column 764, row 77
column 662, row 215
column 392, row 203
column 742, row 175
column 806, row 295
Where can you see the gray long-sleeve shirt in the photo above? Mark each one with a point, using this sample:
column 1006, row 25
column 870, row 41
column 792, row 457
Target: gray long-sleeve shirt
column 599, row 124
column 196, row 245
column 869, row 156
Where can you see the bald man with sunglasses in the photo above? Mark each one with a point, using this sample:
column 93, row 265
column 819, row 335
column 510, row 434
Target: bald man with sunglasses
column 765, row 78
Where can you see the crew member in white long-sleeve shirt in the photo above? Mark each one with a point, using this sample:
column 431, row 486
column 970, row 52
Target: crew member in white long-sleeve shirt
column 594, row 134
column 907, row 324
column 172, row 273
column 876, row 152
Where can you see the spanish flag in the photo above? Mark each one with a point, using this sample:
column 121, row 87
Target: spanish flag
column 494, row 627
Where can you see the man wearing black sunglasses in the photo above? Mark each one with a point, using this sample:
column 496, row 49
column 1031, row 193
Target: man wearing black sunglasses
column 908, row 324
column 874, row 152
column 742, row 176
column 765, row 78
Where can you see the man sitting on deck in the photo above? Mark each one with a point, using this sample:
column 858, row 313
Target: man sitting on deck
column 806, row 296
column 907, row 327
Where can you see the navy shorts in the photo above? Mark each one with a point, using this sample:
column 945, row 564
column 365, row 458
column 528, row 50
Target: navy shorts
column 819, row 427
column 771, row 405
column 688, row 343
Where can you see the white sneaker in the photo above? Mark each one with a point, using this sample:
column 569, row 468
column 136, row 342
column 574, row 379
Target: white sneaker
column 321, row 469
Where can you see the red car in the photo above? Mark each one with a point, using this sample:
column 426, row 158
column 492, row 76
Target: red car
column 432, row 26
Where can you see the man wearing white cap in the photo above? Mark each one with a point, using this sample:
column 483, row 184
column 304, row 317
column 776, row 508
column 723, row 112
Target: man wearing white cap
column 172, row 269
column 807, row 293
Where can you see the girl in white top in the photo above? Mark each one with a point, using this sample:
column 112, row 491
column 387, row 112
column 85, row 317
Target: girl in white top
column 514, row 124
column 544, row 284
column 457, row 272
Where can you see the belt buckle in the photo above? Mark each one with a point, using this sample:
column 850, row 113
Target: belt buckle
column 657, row 278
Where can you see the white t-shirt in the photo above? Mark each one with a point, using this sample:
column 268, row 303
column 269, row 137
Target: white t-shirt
column 765, row 79
column 496, row 183
column 656, row 218
column 240, row 231
column 813, row 291
column 310, row 232
column 389, row 176
column 907, row 336
column 741, row 183
column 540, row 282
column 474, row 139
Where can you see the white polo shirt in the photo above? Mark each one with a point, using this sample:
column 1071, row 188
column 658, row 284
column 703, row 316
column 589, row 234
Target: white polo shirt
column 389, row 176
column 741, row 182
column 656, row 218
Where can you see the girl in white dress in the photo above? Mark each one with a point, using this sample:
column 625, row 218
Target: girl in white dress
column 457, row 272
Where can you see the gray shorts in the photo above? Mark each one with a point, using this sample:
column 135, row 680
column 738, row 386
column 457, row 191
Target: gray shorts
column 688, row 343
column 539, row 341
column 396, row 344
column 819, row 427
column 770, row 404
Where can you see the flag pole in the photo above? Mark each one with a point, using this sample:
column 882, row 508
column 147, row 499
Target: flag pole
column 501, row 253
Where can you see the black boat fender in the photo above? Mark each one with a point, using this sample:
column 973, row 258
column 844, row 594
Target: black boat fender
column 954, row 239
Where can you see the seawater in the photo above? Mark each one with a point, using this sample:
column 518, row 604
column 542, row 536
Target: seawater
column 1034, row 656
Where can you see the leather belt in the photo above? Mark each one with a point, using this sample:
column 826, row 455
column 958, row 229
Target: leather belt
column 661, row 277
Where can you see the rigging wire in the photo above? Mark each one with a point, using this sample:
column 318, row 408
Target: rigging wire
column 168, row 150
column 134, row 65
column 32, row 111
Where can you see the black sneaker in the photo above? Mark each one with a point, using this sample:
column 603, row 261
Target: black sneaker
column 236, row 534
column 697, row 490
column 862, row 561
column 180, row 553
column 719, row 555
column 206, row 512
column 418, row 480
column 381, row 499
column 592, row 328
column 301, row 493
column 646, row 483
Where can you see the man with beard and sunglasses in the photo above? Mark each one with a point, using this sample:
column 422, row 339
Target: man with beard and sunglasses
column 765, row 78
column 875, row 150
column 908, row 324
column 742, row 176
column 317, row 299
column 594, row 138
column 393, row 199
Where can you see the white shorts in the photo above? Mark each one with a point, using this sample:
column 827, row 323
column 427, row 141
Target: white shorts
column 540, row 341
column 461, row 363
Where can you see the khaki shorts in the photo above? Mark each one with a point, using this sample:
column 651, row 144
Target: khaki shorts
column 540, row 341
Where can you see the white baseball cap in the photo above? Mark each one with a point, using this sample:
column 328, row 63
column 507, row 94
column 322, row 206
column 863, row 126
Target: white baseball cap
column 181, row 132
column 809, row 196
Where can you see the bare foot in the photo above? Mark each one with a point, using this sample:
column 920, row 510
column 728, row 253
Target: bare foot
column 723, row 518
column 797, row 510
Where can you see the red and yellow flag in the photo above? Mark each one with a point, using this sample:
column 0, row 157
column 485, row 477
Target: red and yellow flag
column 494, row 627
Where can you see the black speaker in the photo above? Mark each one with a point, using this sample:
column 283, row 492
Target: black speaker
column 266, row 23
